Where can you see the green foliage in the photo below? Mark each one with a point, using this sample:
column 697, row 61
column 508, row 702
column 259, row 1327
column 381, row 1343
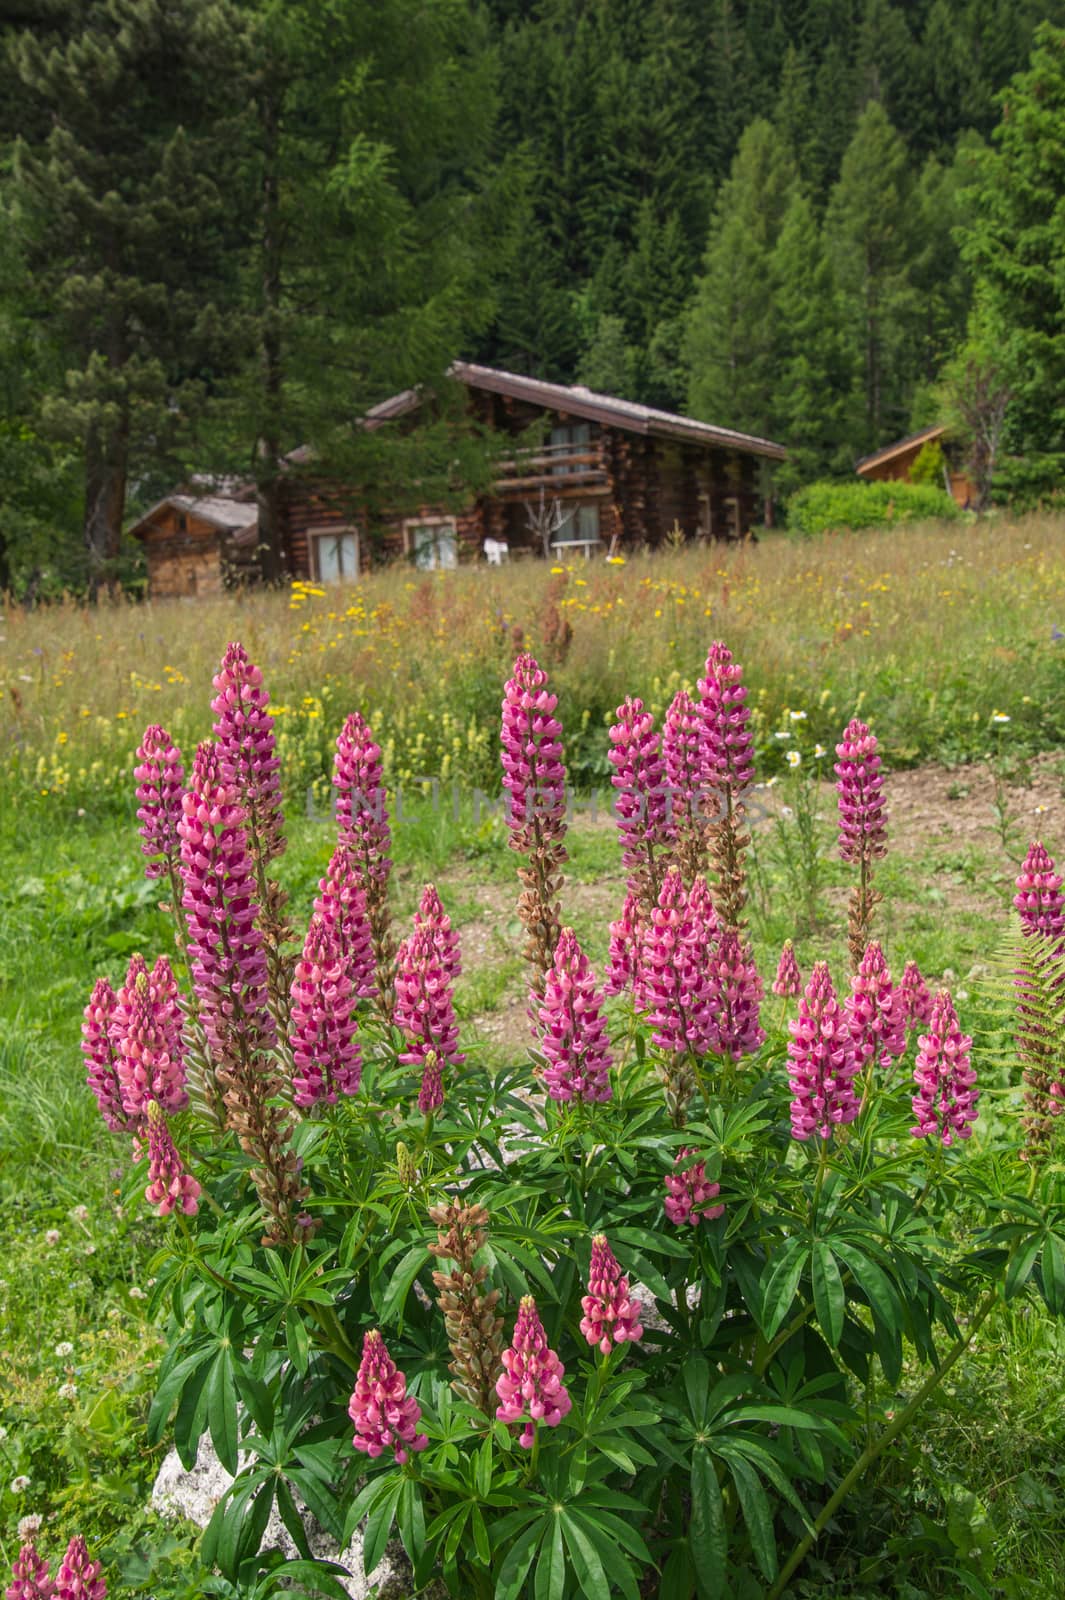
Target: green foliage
column 822, row 507
column 929, row 465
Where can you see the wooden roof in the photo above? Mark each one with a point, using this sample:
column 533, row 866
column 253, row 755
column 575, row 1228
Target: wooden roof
column 900, row 447
column 577, row 401
column 227, row 515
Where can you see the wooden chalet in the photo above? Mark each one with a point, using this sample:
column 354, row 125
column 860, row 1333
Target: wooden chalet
column 195, row 543
column 894, row 463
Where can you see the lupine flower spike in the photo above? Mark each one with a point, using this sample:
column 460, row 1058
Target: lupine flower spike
column 362, row 819
column 736, row 997
column 30, row 1579
column 623, row 960
column 1039, row 898
column 530, row 1387
column 146, row 1028
column 875, row 1011
column 473, row 1328
column 574, row 1039
column 676, row 988
column 728, row 763
column 862, row 826
column 431, row 914
column 386, row 1417
column 683, row 735
column 788, row 981
column 325, row 1051
column 822, row 1061
column 690, row 1196
column 79, row 1578
column 534, row 804
column 915, row 997
column 611, row 1315
column 424, row 1007
column 431, row 1093
column 342, row 903
column 946, row 1099
column 170, row 1187
column 101, row 1059
column 1041, row 904
column 160, row 782
column 642, row 805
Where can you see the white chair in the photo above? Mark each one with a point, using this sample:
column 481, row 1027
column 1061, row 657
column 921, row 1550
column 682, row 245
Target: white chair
column 496, row 551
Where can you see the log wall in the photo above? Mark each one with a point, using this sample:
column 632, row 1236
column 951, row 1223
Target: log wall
column 182, row 560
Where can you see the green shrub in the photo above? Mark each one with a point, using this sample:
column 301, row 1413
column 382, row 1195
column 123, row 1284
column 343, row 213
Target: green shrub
column 824, row 506
column 929, row 466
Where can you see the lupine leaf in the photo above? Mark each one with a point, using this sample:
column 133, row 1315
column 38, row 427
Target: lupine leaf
column 707, row 1534
column 550, row 1576
column 222, row 1409
column 830, row 1299
column 756, row 1514
column 518, row 1560
column 780, row 1285
column 591, row 1576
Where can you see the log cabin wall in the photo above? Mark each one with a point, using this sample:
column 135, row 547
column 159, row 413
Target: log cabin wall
column 183, row 554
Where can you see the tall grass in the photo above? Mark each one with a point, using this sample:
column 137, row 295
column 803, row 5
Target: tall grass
column 930, row 629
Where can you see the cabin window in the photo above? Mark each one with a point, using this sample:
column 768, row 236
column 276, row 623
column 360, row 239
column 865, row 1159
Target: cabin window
column 579, row 525
column 570, row 439
column 432, row 543
column 334, row 554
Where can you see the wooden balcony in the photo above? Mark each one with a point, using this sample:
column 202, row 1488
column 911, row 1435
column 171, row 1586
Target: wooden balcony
column 559, row 469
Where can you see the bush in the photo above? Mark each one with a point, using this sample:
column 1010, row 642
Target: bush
column 821, row 507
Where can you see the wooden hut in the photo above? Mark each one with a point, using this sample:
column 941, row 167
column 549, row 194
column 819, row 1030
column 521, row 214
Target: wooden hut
column 195, row 543
column 895, row 463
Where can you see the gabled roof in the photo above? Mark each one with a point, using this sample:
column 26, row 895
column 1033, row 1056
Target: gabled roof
column 228, row 516
column 577, row 401
column 889, row 451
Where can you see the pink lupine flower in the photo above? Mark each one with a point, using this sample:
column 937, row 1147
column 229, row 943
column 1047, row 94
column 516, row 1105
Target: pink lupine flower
column 788, row 981
column 361, row 810
column 1039, row 897
column 623, row 961
column 424, row 1006
column 101, row 1060
column 642, row 805
column 915, row 997
column 160, row 779
column 530, row 1387
column 386, row 1417
column 690, row 1196
column 574, row 1030
column 431, row 914
column 875, row 1010
column 945, row 1102
column 79, row 1578
column 534, row 777
column 226, row 953
column 169, row 1185
column 431, row 1093
column 611, row 1315
column 342, row 903
column 728, row 748
column 736, row 994
column 146, row 1030
column 676, row 988
column 30, row 1579
column 862, row 818
column 684, row 759
column 703, row 914
column 325, row 1051
column 822, row 1061
column 248, row 762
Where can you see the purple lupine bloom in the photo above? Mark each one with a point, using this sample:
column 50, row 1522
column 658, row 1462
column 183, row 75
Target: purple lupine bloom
column 160, row 779
column 325, row 1051
column 623, row 961
column 1039, row 897
column 684, row 759
column 945, row 1102
column 386, row 1417
column 431, row 914
column 342, row 903
column 169, row 1185
column 875, row 1010
column 611, row 1315
column 146, row 1030
column 728, row 746
column 530, row 1387
column 534, row 777
column 677, row 991
column 736, row 994
column 101, row 1060
column 575, row 1040
column 641, row 807
column 431, row 1093
column 29, row 1575
column 79, row 1578
column 703, row 913
column 362, row 814
column 690, row 1196
column 424, row 1006
column 822, row 1061
column 227, row 959
column 248, row 762
column 788, row 981
column 862, row 818
column 915, row 996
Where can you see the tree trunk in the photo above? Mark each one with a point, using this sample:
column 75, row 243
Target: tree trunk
column 268, row 449
column 106, row 467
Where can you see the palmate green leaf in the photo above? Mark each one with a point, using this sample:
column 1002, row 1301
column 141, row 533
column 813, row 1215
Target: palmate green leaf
column 1021, row 1264
column 756, row 1514
column 519, row 1559
column 1052, row 1274
column 587, row 1564
column 173, row 1382
column 696, row 1375
column 379, row 1522
column 873, row 1282
column 550, row 1579
column 780, row 1285
column 830, row 1299
column 365, row 1501
column 190, row 1419
column 707, row 1533
column 297, row 1341
column 317, row 1575
column 222, row 1409
column 618, row 1570
column 290, row 1516
column 410, row 1518
column 390, row 1306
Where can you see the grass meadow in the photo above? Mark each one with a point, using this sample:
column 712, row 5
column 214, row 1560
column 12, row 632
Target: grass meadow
column 949, row 640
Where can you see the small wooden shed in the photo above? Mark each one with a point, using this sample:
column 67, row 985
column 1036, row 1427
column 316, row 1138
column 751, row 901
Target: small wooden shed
column 894, row 463
column 195, row 543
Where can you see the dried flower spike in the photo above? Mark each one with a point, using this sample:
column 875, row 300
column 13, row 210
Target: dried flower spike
column 385, row 1416
column 611, row 1315
column 530, row 1387
column 473, row 1328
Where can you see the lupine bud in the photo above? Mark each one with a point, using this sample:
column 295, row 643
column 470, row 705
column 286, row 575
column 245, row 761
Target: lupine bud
column 325, row 1051
column 386, row 1417
column 431, row 914
column 736, row 993
column 530, row 1387
column 30, row 1579
column 146, row 1028
column 728, row 749
column 79, row 1578
column 862, row 818
column 610, row 1313
column 1039, row 897
column 915, row 997
column 642, row 808
column 945, row 1102
column 683, row 736
column 623, row 961
column 431, row 1093
column 822, row 1061
column 788, row 981
column 690, row 1196
column 249, row 765
column 169, row 1185
column 160, row 781
column 875, row 1011
column 676, row 988
column 424, row 1007
column 574, row 1029
column 101, row 1059
column 534, row 778
column 362, row 814
column 342, row 903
